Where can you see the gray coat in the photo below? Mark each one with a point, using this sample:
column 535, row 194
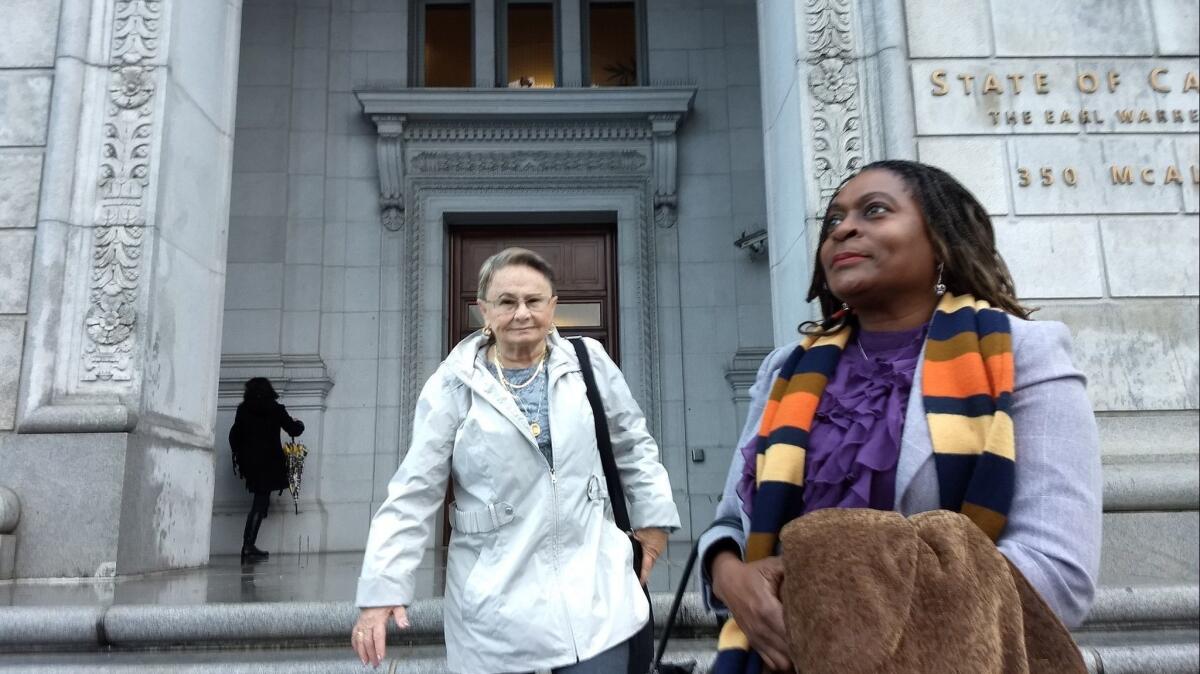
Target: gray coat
column 1053, row 530
column 537, row 574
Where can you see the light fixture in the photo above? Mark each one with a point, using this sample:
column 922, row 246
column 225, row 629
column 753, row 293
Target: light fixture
column 755, row 242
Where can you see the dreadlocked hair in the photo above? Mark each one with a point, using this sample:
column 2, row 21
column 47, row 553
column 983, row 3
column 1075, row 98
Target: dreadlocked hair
column 964, row 242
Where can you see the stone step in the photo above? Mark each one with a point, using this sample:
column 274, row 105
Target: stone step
column 1129, row 629
column 1166, row 652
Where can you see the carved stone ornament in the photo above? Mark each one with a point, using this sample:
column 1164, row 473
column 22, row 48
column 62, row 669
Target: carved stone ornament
column 120, row 213
column 834, row 88
column 530, row 161
column 535, row 134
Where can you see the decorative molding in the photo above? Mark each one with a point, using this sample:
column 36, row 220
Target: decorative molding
column 583, row 130
column 303, row 380
column 627, row 131
column 120, row 215
column 530, row 161
column 744, row 370
column 389, row 149
column 666, row 202
column 834, row 91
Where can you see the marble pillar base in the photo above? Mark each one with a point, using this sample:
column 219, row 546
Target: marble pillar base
column 104, row 504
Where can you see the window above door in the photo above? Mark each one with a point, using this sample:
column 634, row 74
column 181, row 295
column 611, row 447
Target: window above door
column 528, row 43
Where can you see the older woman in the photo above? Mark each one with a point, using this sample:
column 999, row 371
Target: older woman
column 924, row 387
column 538, row 576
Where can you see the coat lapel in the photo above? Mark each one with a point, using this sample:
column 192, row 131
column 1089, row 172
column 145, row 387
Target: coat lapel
column 916, row 446
column 486, row 386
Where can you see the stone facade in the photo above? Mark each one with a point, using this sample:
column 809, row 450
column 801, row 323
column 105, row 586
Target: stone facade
column 313, row 271
column 157, row 248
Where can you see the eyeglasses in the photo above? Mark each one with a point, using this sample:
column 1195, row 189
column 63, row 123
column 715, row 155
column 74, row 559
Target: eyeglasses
column 506, row 306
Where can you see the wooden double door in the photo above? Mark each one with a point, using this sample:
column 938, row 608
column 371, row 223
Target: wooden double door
column 584, row 262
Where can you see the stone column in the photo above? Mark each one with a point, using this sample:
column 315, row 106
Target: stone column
column 820, row 64
column 112, row 457
column 785, row 141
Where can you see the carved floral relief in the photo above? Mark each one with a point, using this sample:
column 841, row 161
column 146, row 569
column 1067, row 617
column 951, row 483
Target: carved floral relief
column 120, row 213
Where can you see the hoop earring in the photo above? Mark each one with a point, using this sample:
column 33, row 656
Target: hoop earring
column 939, row 288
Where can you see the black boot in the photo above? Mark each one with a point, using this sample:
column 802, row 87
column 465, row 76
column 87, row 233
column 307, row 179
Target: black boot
column 250, row 553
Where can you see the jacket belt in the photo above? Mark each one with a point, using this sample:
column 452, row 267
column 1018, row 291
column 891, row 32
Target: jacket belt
column 491, row 518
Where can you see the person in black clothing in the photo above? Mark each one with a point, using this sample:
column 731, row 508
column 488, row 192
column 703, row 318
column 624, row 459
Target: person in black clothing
column 258, row 454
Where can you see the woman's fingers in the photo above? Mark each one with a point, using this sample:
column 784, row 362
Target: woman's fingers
column 378, row 637
column 369, row 636
column 654, row 541
column 772, row 637
column 400, row 615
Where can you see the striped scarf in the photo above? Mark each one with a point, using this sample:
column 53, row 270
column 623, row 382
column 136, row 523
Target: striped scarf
column 966, row 385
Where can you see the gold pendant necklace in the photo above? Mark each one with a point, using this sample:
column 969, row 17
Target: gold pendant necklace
column 534, row 427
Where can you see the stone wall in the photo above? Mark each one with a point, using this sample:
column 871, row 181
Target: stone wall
column 28, row 37
column 313, row 273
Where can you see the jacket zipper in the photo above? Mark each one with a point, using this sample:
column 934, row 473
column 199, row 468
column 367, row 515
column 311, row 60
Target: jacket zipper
column 557, row 570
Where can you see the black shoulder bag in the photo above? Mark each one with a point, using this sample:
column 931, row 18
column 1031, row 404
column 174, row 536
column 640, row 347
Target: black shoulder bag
column 642, row 658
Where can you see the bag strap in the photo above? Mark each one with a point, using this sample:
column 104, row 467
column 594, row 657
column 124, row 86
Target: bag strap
column 683, row 583
column 616, row 494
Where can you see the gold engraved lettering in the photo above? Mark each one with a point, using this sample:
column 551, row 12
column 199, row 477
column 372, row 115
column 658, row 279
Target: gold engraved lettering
column 1172, row 176
column 1069, row 176
column 1049, row 116
column 1065, row 118
column 1114, row 80
column 1194, row 115
column 1144, row 117
column 1125, row 116
column 1087, row 82
column 1191, row 82
column 1015, row 79
column 1023, row 177
column 1085, row 117
column 1027, row 117
column 1047, row 176
column 1177, row 116
column 1161, row 116
column 1041, row 83
column 1121, row 175
column 1155, row 84
column 1010, row 117
column 938, row 78
column 1148, row 176
column 968, row 81
column 995, row 115
column 991, row 85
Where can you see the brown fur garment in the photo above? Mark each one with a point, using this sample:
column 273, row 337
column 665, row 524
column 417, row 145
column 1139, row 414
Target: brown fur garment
column 871, row 591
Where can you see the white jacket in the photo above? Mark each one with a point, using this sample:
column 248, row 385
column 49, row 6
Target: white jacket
column 538, row 576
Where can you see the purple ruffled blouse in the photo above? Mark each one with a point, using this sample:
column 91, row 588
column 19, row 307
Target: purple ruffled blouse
column 855, row 439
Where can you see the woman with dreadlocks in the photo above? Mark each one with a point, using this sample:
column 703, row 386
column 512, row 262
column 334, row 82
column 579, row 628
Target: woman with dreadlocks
column 924, row 387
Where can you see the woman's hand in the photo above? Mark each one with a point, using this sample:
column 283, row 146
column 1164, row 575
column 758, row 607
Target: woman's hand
column 751, row 591
column 654, row 541
column 369, row 637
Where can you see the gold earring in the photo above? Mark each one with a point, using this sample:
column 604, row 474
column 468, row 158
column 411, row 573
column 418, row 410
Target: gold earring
column 487, row 331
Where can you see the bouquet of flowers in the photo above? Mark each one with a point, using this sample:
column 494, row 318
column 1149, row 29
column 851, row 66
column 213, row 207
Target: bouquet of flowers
column 295, row 452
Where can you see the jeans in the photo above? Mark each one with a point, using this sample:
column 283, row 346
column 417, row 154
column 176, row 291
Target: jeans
column 613, row 661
